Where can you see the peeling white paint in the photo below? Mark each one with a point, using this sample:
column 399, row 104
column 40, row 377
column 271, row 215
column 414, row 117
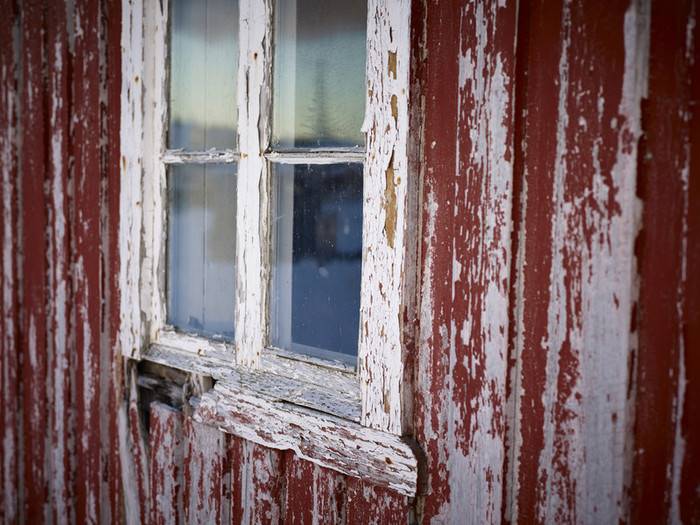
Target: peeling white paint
column 387, row 237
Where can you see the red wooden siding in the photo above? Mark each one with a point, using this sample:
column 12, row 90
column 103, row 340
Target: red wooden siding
column 557, row 368
column 666, row 472
column 9, row 341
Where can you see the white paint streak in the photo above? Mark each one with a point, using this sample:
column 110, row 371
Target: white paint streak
column 131, row 165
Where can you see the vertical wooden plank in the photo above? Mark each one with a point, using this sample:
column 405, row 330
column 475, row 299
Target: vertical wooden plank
column 87, row 277
column 113, row 368
column 372, row 505
column 133, row 454
column 689, row 489
column 207, row 476
column 313, row 494
column 166, row 464
column 665, row 250
column 34, row 263
column 59, row 266
column 257, row 483
column 460, row 408
column 575, row 284
column 9, row 277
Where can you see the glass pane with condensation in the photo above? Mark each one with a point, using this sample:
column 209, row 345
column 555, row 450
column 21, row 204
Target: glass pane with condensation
column 319, row 73
column 203, row 72
column 317, row 259
column 202, row 249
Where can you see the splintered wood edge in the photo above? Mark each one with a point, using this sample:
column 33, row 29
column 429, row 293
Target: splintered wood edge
column 316, row 417
column 378, row 457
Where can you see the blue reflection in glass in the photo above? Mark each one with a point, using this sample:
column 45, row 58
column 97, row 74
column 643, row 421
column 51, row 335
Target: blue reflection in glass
column 318, row 260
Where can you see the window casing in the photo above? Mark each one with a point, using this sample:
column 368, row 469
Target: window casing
column 372, row 396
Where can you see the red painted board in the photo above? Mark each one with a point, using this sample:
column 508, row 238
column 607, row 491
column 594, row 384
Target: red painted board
column 166, row 462
column 258, row 483
column 313, row 494
column 578, row 130
column 59, row 308
column 9, row 243
column 34, row 269
column 665, row 477
column 467, row 80
column 207, row 475
column 369, row 504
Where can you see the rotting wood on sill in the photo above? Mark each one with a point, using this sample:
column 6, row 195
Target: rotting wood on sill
column 319, row 423
column 381, row 458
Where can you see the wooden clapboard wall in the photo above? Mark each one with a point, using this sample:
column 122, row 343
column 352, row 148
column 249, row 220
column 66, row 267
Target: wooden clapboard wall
column 557, row 367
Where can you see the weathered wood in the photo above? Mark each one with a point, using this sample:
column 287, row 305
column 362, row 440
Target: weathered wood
column 257, row 483
column 323, row 439
column 369, row 504
column 34, row 219
column 664, row 482
column 10, row 418
column 253, row 192
column 59, row 286
column 327, row 391
column 87, row 148
column 177, row 156
column 166, row 464
column 131, row 165
column 135, row 482
column 460, row 408
column 388, row 236
column 575, row 281
column 689, row 501
column 314, row 494
column 112, row 373
column 207, row 475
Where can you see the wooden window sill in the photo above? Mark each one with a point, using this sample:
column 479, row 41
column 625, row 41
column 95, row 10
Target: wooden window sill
column 292, row 405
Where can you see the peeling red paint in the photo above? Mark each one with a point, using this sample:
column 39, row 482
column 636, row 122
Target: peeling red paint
column 666, row 473
column 555, row 370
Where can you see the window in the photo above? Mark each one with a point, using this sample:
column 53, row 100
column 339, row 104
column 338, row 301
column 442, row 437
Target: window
column 268, row 231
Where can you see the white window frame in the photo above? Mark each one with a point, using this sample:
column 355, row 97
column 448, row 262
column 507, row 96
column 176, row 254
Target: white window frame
column 372, row 405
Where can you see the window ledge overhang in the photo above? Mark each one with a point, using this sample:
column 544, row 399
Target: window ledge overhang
column 314, row 414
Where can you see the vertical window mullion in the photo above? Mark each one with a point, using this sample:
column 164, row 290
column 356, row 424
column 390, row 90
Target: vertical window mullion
column 253, row 194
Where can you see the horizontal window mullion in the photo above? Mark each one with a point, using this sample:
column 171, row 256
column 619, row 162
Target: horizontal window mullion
column 200, row 157
column 315, row 156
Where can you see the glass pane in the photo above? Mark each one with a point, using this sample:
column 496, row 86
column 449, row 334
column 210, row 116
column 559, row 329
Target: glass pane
column 319, row 73
column 318, row 259
column 203, row 74
column 202, row 249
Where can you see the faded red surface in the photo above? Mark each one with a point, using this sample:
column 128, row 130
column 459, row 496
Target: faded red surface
column 557, row 368
column 668, row 247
